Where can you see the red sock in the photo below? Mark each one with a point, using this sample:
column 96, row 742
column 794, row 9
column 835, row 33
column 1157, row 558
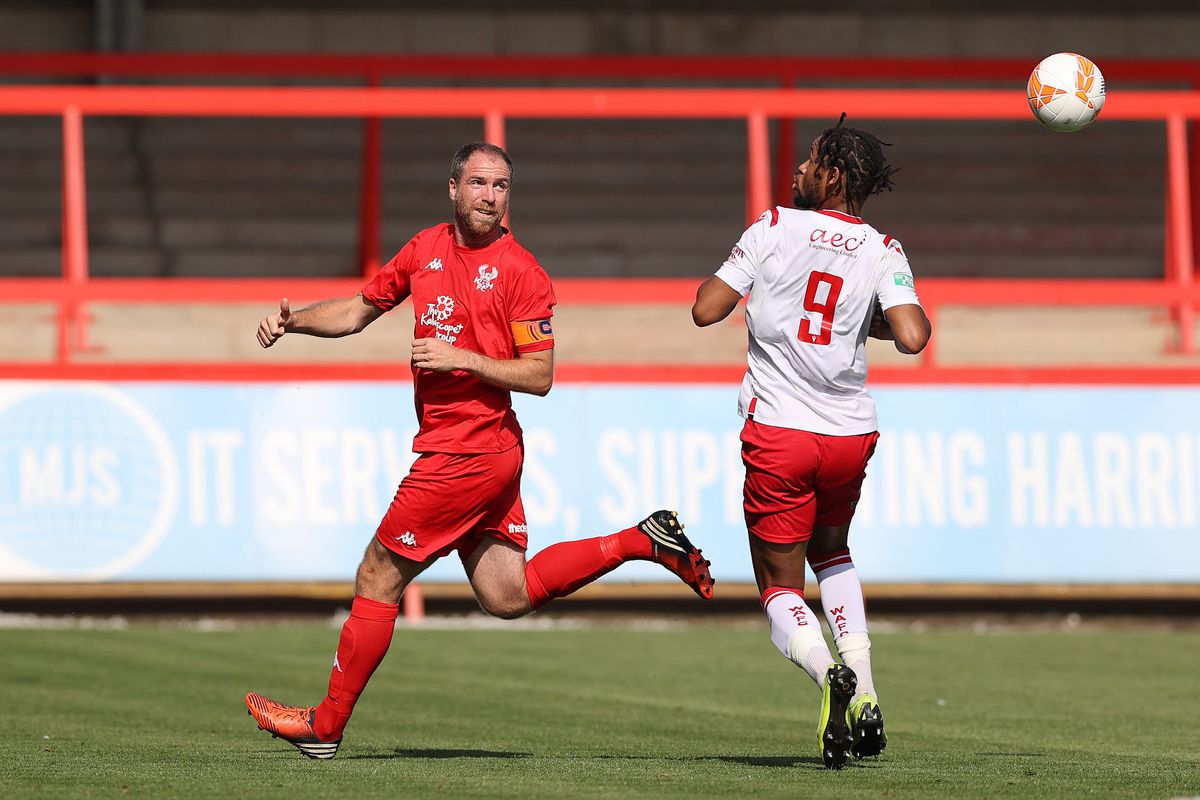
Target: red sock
column 362, row 646
column 564, row 567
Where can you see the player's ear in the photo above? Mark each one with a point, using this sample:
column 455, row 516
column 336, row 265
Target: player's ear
column 833, row 180
column 453, row 189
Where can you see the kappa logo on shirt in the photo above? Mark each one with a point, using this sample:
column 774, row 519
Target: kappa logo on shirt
column 487, row 274
column 435, row 265
column 407, row 539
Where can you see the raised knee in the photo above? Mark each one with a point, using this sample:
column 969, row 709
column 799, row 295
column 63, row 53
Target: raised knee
column 509, row 612
column 505, row 607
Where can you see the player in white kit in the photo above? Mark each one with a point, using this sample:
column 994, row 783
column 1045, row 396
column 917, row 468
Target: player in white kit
column 820, row 280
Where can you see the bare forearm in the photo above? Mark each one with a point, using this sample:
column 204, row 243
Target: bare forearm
column 332, row 318
column 531, row 373
column 516, row 375
column 883, row 331
column 910, row 328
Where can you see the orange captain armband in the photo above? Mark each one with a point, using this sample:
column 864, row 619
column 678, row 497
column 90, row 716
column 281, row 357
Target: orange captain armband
column 530, row 336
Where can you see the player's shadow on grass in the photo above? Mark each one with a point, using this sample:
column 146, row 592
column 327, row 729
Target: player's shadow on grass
column 766, row 761
column 810, row 762
column 420, row 752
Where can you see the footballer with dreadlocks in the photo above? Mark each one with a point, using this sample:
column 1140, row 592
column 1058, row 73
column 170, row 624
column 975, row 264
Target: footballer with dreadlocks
column 820, row 280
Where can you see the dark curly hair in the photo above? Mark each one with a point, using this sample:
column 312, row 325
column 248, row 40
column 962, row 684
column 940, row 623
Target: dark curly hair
column 858, row 155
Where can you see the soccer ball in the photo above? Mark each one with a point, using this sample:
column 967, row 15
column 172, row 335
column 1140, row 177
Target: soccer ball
column 1066, row 91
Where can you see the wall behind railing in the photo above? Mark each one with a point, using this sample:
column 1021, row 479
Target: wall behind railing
column 1152, row 28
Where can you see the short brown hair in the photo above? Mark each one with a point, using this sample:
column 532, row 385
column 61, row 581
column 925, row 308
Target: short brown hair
column 467, row 150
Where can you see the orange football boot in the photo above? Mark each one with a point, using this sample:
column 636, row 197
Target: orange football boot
column 290, row 723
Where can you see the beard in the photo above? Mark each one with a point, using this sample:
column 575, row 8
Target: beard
column 478, row 226
column 803, row 199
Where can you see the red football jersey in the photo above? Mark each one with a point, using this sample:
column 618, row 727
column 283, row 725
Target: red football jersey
column 483, row 300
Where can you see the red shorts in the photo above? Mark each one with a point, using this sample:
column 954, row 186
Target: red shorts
column 449, row 501
column 796, row 479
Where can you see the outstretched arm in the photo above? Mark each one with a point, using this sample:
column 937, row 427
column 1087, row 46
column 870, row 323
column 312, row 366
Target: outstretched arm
column 329, row 318
column 531, row 373
column 715, row 299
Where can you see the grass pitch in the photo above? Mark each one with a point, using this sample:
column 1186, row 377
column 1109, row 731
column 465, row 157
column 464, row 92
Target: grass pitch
column 702, row 710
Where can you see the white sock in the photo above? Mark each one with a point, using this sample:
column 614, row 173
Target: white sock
column 842, row 599
column 855, row 650
column 796, row 631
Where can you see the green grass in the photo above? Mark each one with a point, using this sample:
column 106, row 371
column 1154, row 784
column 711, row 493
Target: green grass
column 699, row 711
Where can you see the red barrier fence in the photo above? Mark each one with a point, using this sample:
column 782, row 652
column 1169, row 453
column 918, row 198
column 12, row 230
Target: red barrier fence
column 1176, row 292
column 782, row 72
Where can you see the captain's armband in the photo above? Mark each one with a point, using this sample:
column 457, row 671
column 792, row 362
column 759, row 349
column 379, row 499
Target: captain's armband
column 532, row 335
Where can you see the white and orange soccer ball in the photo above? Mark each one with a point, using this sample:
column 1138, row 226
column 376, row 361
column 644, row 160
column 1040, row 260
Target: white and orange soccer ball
column 1066, row 91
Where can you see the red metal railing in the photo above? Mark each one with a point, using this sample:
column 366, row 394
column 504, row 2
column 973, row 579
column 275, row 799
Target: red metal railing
column 373, row 70
column 1176, row 292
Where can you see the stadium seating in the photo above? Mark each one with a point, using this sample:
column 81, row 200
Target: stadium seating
column 192, row 197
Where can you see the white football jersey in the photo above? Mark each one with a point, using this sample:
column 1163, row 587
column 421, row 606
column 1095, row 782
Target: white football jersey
column 813, row 279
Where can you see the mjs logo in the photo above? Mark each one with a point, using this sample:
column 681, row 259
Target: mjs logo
column 88, row 482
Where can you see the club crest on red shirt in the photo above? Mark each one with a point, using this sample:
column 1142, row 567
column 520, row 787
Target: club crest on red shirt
column 487, row 274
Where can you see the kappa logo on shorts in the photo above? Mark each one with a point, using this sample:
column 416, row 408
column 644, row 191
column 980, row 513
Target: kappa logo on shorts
column 408, row 539
column 435, row 265
column 517, row 528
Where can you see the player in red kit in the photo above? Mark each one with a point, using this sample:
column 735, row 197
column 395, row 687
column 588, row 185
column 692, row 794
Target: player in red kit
column 483, row 307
